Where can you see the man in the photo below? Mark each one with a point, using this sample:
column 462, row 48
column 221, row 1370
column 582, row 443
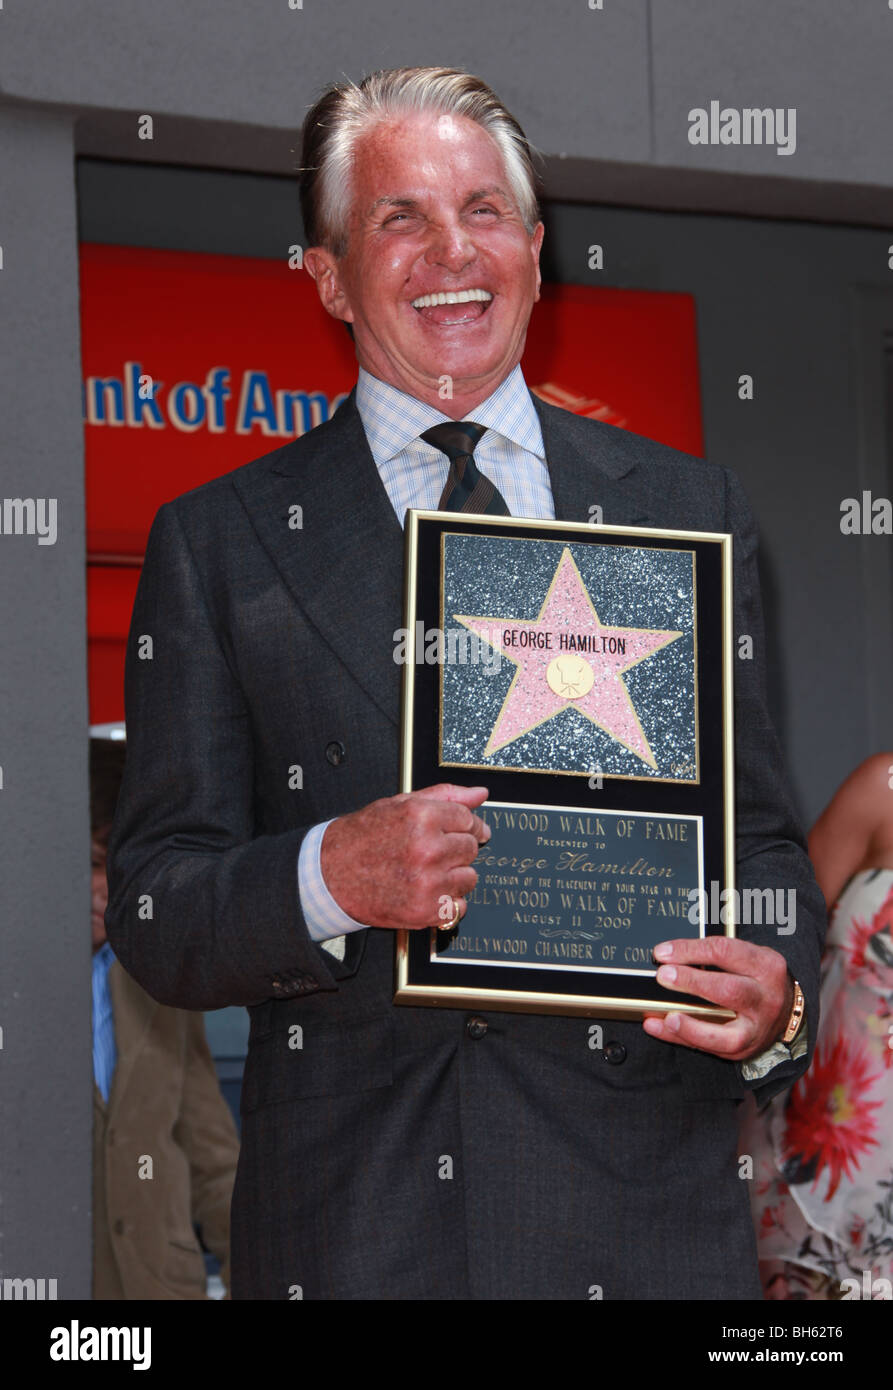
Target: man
column 571, row 1171
column 164, row 1144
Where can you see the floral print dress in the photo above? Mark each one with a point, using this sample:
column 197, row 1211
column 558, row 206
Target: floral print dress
column 822, row 1186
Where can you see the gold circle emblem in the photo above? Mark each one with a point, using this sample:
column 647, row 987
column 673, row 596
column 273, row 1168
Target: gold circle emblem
column 570, row 676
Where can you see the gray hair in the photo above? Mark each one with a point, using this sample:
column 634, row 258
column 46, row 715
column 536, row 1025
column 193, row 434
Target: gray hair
column 349, row 110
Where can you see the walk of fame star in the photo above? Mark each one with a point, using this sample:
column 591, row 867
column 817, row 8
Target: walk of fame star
column 586, row 675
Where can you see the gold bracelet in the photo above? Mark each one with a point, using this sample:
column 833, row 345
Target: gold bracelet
column 796, row 1017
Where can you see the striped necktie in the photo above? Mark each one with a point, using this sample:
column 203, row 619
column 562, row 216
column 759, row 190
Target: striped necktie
column 467, row 489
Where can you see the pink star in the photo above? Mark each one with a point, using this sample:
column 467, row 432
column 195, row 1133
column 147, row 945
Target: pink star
column 587, row 675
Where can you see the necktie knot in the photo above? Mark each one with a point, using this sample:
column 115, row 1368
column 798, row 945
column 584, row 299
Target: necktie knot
column 455, row 438
column 467, row 489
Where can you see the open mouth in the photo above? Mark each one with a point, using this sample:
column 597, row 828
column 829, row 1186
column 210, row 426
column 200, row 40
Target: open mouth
column 453, row 306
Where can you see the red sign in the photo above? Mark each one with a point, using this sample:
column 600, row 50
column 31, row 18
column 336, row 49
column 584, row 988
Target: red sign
column 194, row 364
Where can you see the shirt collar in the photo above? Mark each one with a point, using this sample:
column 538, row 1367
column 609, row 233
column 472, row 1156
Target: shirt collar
column 104, row 957
column 392, row 419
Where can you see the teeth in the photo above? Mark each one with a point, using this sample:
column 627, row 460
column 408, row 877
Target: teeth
column 428, row 301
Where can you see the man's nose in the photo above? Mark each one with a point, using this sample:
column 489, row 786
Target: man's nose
column 450, row 244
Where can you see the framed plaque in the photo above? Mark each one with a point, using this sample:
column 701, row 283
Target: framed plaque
column 583, row 674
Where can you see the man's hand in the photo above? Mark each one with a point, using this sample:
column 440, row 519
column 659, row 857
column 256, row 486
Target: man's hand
column 393, row 863
column 751, row 980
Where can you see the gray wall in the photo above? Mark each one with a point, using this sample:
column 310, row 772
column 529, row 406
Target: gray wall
column 605, row 95
column 45, row 1062
column 614, row 84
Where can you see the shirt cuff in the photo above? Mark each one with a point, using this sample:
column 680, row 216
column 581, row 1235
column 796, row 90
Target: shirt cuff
column 327, row 923
column 764, row 1062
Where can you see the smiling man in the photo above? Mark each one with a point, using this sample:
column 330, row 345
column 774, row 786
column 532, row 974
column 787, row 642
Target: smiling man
column 438, row 273
column 569, row 1169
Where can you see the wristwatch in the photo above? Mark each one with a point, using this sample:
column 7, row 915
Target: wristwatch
column 795, row 1022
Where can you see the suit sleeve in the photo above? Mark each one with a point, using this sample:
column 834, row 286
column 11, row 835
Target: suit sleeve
column 770, row 844
column 201, row 913
column 207, row 1135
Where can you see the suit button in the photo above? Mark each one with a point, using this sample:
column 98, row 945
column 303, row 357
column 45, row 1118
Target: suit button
column 476, row 1027
column 119, row 1227
column 615, row 1053
column 335, row 753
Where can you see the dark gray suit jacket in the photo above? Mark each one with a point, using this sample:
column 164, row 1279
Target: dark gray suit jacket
column 571, row 1171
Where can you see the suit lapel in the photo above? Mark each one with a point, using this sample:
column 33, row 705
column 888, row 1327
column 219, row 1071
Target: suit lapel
column 588, row 467
column 344, row 567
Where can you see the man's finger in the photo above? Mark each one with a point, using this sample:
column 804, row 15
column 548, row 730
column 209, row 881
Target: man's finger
column 728, row 952
column 731, row 1040
column 449, row 791
column 459, row 849
column 457, row 819
column 740, row 993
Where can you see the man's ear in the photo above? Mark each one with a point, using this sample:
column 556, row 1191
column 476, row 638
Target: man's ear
column 322, row 266
column 536, row 244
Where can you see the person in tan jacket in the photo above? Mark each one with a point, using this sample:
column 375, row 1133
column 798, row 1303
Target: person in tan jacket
column 165, row 1146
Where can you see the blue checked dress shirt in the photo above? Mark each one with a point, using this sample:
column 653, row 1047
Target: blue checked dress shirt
column 105, row 1052
column 414, row 474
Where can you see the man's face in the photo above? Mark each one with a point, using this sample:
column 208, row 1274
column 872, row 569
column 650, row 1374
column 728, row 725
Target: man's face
column 432, row 213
